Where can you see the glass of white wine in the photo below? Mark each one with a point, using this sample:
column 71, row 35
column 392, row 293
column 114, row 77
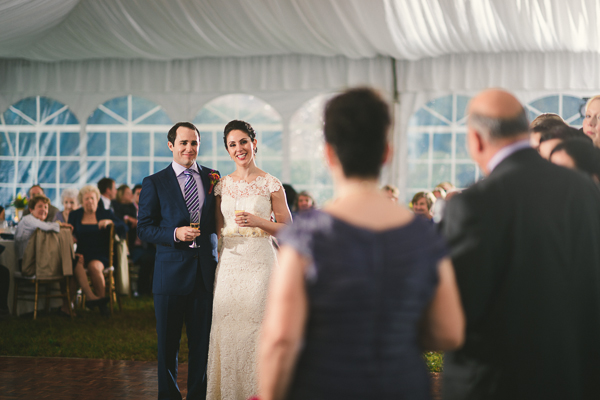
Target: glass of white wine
column 195, row 224
column 240, row 207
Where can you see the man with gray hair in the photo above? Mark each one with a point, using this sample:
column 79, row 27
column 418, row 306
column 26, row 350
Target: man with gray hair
column 524, row 243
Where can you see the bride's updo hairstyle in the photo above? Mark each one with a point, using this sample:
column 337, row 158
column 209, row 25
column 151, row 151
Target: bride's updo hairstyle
column 356, row 126
column 237, row 125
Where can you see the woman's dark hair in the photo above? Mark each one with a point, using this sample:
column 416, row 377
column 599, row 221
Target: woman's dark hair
column 585, row 156
column 172, row 134
column 356, row 126
column 237, row 125
column 563, row 132
column 291, row 196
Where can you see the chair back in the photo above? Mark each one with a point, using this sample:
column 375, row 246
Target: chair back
column 49, row 254
column 111, row 244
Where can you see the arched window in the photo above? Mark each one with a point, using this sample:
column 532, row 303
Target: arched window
column 437, row 150
column 127, row 140
column 39, row 145
column 213, row 117
column 568, row 107
column 308, row 169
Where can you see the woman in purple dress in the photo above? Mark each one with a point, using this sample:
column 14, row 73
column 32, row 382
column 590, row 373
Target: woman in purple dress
column 363, row 286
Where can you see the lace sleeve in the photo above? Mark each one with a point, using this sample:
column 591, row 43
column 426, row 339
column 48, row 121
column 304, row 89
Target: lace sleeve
column 273, row 184
column 218, row 187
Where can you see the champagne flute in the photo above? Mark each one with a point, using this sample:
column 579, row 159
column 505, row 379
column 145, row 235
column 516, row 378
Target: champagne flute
column 195, row 224
column 240, row 207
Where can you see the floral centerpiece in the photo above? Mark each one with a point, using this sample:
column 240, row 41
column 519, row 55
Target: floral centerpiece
column 19, row 203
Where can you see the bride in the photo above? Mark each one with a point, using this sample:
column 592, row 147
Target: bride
column 245, row 202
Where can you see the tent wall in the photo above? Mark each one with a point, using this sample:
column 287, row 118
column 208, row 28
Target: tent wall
column 182, row 87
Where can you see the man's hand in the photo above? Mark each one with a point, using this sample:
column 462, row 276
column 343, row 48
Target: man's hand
column 65, row 225
column 186, row 233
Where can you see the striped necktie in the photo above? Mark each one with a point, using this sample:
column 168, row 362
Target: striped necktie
column 191, row 195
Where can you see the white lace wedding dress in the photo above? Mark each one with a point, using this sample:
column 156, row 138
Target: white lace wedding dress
column 245, row 263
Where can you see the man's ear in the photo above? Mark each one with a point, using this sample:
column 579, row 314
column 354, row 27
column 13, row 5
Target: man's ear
column 475, row 142
column 330, row 157
column 387, row 153
column 170, row 145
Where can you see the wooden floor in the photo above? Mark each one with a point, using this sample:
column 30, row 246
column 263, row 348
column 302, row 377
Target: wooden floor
column 76, row 378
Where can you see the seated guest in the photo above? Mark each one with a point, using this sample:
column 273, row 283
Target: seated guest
column 556, row 134
column 38, row 206
column 38, row 212
column 306, row 201
column 345, row 319
column 541, row 124
column 108, row 192
column 70, row 203
column 89, row 223
column 591, row 122
column 4, row 282
column 123, row 206
column 36, row 190
column 392, row 192
column 422, row 203
column 141, row 253
column 578, row 154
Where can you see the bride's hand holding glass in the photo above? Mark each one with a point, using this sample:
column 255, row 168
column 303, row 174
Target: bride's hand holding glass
column 245, row 219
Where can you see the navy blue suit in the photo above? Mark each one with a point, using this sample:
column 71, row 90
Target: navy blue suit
column 183, row 277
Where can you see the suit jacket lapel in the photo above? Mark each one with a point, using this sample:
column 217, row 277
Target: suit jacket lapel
column 206, row 185
column 173, row 188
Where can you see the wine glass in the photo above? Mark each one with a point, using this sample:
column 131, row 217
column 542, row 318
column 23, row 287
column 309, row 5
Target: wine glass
column 195, row 224
column 240, row 207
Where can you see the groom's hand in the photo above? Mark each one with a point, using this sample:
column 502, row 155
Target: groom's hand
column 186, row 233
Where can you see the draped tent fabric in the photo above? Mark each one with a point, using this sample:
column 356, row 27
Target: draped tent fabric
column 181, row 54
column 46, row 30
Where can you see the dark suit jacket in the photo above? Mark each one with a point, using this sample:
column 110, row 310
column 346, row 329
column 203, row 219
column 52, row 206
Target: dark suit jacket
column 524, row 243
column 162, row 208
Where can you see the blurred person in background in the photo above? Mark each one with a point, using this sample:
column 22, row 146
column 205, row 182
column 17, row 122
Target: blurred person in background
column 38, row 207
column 291, row 197
column 124, row 208
column 591, row 123
column 108, row 193
column 306, row 201
column 69, row 202
column 89, row 231
column 392, row 192
column 422, row 202
column 36, row 190
column 524, row 244
column 556, row 134
column 360, row 290
column 578, row 154
column 541, row 124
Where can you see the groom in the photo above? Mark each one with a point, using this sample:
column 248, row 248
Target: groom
column 183, row 276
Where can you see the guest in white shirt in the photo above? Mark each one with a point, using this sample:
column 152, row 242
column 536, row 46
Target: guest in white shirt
column 38, row 206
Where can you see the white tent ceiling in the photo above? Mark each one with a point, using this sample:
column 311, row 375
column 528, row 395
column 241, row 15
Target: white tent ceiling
column 47, row 30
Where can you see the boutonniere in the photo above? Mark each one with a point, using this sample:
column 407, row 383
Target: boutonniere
column 214, row 179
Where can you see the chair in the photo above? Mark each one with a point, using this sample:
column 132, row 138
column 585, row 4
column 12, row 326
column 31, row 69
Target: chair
column 109, row 274
column 52, row 270
column 50, row 284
